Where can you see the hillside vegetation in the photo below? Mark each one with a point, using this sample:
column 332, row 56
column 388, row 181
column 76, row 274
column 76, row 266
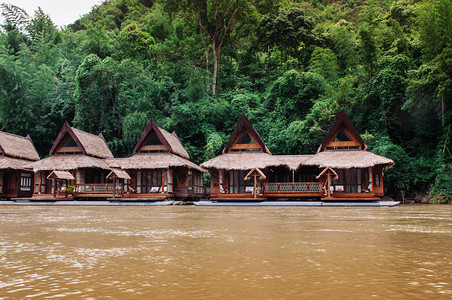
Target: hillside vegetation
column 195, row 66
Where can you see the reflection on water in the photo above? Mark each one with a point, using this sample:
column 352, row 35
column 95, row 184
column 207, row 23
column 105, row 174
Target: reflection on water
column 226, row 252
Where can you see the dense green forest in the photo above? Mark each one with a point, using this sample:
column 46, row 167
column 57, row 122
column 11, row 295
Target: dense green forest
column 195, row 66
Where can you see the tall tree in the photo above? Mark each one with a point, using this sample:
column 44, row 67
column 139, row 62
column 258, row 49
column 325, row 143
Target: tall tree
column 215, row 19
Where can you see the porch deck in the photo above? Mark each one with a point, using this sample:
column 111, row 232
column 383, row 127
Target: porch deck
column 350, row 199
column 237, row 197
column 293, row 189
column 139, row 198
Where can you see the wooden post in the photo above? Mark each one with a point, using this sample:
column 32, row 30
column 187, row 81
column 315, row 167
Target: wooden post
column 54, row 187
column 255, row 186
column 220, row 182
column 329, row 184
column 75, row 182
column 293, row 180
column 371, row 179
column 40, row 182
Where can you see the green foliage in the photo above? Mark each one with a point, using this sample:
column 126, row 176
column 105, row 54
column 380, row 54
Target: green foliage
column 441, row 191
column 196, row 66
column 71, row 189
column 435, row 26
column 134, row 43
column 323, row 62
column 399, row 178
column 289, row 31
column 293, row 94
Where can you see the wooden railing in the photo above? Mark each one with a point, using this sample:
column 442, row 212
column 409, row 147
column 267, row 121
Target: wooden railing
column 297, row 187
column 197, row 189
column 97, row 188
column 151, row 189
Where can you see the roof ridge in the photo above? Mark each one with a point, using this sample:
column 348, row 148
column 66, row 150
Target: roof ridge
column 96, row 135
column 15, row 135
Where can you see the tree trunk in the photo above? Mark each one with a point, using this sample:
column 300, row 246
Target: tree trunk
column 443, row 108
column 215, row 70
column 208, row 71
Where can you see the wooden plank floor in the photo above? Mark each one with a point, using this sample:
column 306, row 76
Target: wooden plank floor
column 351, row 199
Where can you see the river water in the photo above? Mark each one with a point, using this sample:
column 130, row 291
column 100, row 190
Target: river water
column 188, row 252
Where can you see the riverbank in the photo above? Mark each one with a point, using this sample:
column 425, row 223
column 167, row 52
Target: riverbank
column 201, row 203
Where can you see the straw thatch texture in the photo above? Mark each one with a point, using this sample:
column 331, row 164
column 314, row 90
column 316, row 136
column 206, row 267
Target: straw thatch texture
column 61, row 175
column 8, row 163
column 17, row 146
column 243, row 161
column 347, row 159
column 175, row 144
column 152, row 161
column 293, row 162
column 94, row 145
column 68, row 162
column 115, row 173
column 168, row 139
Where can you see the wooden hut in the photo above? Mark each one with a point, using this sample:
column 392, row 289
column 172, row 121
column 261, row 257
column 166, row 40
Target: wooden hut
column 244, row 167
column 160, row 168
column 79, row 157
column 15, row 153
column 348, row 170
column 342, row 169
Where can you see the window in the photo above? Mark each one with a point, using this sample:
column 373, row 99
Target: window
column 349, row 181
column 25, row 182
column 68, row 146
column 245, row 139
column 153, row 140
column 237, row 182
column 69, row 142
column 151, row 181
column 342, row 136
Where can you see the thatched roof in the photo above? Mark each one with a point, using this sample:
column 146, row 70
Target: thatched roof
column 68, row 162
column 245, row 125
column 341, row 159
column 341, row 121
column 8, row 163
column 94, row 145
column 61, row 175
column 346, row 159
column 293, row 162
column 152, row 161
column 115, row 173
column 243, row 161
column 91, row 144
column 17, row 146
column 171, row 140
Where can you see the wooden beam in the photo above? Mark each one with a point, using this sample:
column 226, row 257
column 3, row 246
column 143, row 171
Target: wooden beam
column 329, row 184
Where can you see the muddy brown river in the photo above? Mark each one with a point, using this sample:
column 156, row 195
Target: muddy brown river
column 188, row 252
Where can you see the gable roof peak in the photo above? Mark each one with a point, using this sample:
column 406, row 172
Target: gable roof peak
column 341, row 121
column 245, row 125
column 171, row 140
column 91, row 144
